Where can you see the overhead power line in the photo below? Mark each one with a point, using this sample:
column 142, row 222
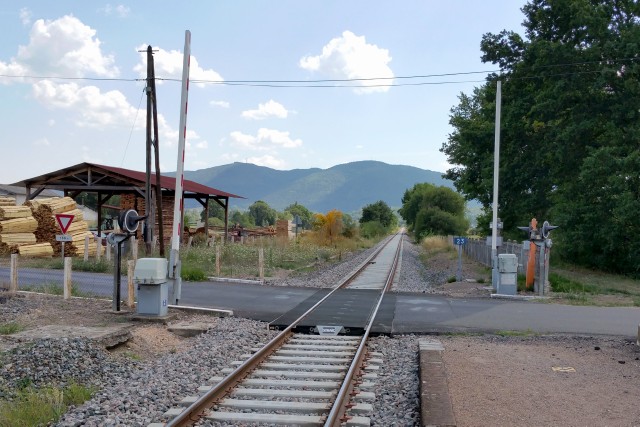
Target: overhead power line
column 344, row 83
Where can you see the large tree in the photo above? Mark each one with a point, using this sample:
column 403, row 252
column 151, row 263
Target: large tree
column 570, row 120
column 380, row 212
column 431, row 210
column 262, row 213
column 302, row 213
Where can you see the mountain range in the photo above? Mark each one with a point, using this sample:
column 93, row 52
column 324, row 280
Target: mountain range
column 347, row 187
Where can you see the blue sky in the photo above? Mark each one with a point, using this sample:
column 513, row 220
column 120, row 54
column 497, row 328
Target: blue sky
column 52, row 122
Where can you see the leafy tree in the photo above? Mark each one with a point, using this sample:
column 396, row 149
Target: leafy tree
column 428, row 209
column 241, row 218
column 349, row 226
column 380, row 212
column 262, row 214
column 302, row 212
column 215, row 211
column 328, row 226
column 570, row 127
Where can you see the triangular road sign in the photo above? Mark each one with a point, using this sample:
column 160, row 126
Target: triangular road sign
column 64, row 221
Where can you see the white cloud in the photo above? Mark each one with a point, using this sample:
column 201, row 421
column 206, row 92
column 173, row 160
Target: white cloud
column 270, row 109
column 264, row 137
column 202, row 145
column 351, row 57
column 221, row 104
column 268, row 161
column 168, row 64
column 359, row 146
column 278, row 138
column 93, row 107
column 25, row 16
column 121, row 10
column 51, row 122
column 64, row 47
column 245, row 141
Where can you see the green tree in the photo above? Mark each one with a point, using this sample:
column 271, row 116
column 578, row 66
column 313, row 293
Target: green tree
column 305, row 215
column 570, row 126
column 215, row 211
column 262, row 214
column 380, row 212
column 428, row 209
column 241, row 218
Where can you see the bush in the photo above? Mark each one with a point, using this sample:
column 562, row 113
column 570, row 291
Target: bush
column 372, row 229
column 193, row 274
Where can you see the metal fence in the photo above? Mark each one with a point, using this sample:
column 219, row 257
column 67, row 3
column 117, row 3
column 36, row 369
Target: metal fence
column 478, row 250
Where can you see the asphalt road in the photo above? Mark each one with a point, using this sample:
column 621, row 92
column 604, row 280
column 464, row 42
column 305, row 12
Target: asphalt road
column 403, row 313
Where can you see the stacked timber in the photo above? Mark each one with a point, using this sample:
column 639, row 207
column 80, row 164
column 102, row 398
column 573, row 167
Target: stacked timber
column 44, row 211
column 17, row 227
column 7, row 201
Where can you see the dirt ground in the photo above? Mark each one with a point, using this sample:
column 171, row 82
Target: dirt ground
column 493, row 381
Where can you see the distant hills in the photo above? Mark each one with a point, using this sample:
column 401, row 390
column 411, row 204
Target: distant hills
column 347, row 187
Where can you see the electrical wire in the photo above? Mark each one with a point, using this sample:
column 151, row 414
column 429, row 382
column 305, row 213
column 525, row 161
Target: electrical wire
column 319, row 83
column 133, row 125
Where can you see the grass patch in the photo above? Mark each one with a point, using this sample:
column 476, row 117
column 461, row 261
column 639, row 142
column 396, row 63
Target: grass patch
column 57, row 289
column 10, row 328
column 562, row 284
column 436, row 244
column 451, row 279
column 40, row 407
column 193, row 274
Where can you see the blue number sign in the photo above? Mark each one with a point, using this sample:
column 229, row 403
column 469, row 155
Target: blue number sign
column 459, row 241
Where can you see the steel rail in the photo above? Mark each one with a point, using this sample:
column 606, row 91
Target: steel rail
column 194, row 412
column 337, row 415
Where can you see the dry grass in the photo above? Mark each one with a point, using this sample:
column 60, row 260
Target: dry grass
column 434, row 244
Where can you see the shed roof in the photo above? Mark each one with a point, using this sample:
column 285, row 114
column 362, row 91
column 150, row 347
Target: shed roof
column 93, row 177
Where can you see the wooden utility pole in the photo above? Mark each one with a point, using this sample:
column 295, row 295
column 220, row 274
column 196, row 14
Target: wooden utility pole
column 148, row 203
column 152, row 140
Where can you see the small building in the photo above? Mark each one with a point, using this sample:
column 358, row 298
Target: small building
column 130, row 185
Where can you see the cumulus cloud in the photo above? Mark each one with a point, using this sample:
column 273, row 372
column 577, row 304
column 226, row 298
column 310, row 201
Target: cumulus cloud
column 221, row 104
column 64, row 47
column 268, row 161
column 94, row 108
column 41, row 142
column 351, row 57
column 270, row 109
column 25, row 16
column 168, row 64
column 265, row 140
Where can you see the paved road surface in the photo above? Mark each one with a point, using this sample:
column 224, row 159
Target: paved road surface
column 408, row 313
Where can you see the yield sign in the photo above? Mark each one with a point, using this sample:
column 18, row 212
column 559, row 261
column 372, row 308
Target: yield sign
column 64, row 221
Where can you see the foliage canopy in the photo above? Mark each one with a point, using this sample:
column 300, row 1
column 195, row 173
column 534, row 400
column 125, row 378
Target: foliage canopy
column 570, row 129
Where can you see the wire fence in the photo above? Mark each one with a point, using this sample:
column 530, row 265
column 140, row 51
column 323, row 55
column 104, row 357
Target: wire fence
column 478, row 250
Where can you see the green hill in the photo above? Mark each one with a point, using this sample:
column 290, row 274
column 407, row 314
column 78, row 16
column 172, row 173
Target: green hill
column 347, row 187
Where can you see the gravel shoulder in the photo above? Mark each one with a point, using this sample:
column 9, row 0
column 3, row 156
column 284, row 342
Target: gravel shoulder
column 493, row 380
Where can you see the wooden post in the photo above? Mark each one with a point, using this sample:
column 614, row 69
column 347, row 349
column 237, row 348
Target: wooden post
column 99, row 249
column 190, row 241
column 134, row 248
column 131, row 302
column 218, row 260
column 86, row 248
column 108, row 252
column 67, row 278
column 261, row 264
column 13, row 284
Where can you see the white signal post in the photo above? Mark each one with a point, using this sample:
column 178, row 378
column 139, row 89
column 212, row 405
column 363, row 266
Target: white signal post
column 174, row 258
column 496, row 174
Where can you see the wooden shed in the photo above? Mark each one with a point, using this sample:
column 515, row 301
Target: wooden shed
column 109, row 181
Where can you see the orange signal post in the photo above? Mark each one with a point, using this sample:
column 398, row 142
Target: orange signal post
column 531, row 262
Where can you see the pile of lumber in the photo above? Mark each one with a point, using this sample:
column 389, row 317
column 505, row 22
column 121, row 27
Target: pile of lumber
column 7, row 201
column 17, row 227
column 44, row 211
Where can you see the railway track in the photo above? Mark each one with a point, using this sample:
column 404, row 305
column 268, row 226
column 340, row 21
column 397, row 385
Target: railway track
column 303, row 379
